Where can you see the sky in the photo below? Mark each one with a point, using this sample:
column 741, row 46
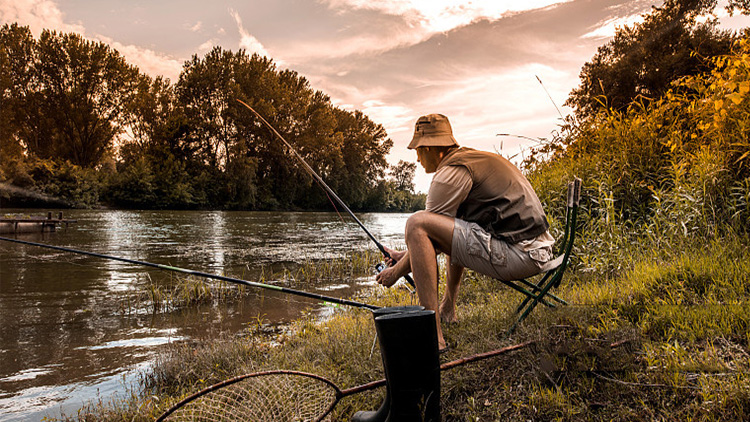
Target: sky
column 476, row 62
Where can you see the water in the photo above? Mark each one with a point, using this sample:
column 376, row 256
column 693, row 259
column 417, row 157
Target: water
column 65, row 334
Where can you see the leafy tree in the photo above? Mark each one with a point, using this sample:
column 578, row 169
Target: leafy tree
column 153, row 167
column 403, row 174
column 252, row 167
column 84, row 87
column 65, row 100
column 681, row 163
column 133, row 186
column 16, row 81
column 17, row 55
column 641, row 61
column 65, row 182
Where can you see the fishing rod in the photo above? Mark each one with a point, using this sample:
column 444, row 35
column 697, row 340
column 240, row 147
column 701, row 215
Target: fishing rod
column 326, row 187
column 329, row 299
column 550, row 97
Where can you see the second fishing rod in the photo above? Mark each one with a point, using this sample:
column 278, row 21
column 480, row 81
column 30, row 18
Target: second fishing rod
column 325, row 186
column 324, row 298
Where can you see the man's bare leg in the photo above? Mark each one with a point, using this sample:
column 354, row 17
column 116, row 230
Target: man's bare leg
column 428, row 234
column 452, row 285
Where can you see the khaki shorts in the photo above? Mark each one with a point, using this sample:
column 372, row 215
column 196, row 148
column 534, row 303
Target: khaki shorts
column 473, row 247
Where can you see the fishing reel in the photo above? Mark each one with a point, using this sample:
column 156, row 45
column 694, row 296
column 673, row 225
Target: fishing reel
column 380, row 266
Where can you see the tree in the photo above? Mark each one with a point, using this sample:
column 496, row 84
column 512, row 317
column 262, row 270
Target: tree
column 403, row 174
column 83, row 89
column 152, row 171
column 242, row 157
column 65, row 100
column 17, row 57
column 641, row 61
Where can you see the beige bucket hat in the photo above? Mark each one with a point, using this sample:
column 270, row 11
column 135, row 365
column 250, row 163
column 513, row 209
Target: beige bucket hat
column 432, row 130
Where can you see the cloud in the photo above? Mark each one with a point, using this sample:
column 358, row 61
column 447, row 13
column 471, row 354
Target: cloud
column 378, row 26
column 44, row 14
column 396, row 116
column 37, row 15
column 148, row 61
column 607, row 28
column 206, row 46
column 197, row 27
column 481, row 75
column 247, row 41
column 442, row 15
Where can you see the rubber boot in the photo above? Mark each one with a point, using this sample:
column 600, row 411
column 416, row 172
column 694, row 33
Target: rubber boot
column 408, row 345
column 381, row 414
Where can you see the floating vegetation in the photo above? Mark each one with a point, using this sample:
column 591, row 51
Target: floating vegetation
column 355, row 264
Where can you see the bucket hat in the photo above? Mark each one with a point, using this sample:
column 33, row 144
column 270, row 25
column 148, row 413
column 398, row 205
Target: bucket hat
column 432, row 130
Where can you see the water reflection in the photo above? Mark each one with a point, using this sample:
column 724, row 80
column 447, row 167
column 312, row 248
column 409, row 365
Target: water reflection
column 65, row 331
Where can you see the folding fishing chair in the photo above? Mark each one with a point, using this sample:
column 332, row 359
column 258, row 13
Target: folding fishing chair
column 553, row 271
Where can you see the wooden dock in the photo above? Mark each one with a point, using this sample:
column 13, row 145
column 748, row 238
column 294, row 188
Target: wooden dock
column 32, row 224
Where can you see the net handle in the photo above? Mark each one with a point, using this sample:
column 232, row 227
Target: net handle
column 448, row 365
column 486, row 355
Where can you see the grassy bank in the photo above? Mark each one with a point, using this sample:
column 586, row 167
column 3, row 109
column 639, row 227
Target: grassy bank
column 666, row 338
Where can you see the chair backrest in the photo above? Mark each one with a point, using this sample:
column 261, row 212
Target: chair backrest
column 571, row 217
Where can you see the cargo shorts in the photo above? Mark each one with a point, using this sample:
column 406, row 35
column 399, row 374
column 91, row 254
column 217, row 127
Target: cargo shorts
column 473, row 247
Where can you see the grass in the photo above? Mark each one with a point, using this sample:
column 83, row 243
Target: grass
column 665, row 339
column 185, row 291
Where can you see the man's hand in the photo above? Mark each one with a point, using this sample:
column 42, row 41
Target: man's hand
column 395, row 256
column 388, row 277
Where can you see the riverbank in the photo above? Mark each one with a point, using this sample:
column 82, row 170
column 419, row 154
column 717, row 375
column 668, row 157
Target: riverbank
column 666, row 338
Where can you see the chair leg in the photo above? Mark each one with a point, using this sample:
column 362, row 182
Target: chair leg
column 530, row 307
column 527, row 293
column 537, row 287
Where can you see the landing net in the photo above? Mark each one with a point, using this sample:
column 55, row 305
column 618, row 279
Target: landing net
column 281, row 395
column 262, row 397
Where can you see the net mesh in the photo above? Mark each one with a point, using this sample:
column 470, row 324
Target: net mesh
column 263, row 398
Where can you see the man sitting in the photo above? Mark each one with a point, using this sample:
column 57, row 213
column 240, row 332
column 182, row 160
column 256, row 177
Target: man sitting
column 481, row 211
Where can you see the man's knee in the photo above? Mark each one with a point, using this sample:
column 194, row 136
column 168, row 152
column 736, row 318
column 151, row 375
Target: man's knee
column 418, row 221
column 438, row 227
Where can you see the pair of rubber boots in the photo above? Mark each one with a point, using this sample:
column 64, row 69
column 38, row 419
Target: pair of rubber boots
column 408, row 344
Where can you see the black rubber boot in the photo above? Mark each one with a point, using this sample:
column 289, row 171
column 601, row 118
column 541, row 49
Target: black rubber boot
column 408, row 344
column 381, row 414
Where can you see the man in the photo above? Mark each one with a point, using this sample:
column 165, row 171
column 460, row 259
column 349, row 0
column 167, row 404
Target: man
column 481, row 212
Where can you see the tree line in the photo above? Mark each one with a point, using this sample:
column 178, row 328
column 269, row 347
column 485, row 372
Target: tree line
column 79, row 126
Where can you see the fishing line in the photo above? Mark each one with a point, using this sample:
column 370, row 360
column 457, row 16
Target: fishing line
column 328, row 299
column 325, row 187
column 46, row 259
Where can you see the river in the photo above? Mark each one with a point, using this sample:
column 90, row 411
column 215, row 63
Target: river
column 67, row 334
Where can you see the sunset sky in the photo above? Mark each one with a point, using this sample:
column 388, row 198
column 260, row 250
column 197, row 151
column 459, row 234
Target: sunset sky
column 395, row 60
